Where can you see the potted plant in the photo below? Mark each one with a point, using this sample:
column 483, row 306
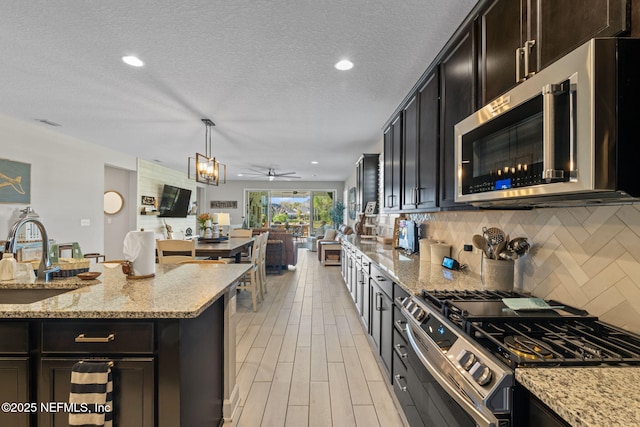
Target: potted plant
column 337, row 214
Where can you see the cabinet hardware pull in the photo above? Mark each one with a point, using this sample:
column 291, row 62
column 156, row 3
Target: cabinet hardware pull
column 398, row 378
column 401, row 324
column 402, row 355
column 528, row 45
column 519, row 54
column 381, row 278
column 83, row 339
column 378, row 301
column 109, row 363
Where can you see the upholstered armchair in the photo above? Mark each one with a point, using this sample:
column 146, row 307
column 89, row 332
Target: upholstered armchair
column 332, row 236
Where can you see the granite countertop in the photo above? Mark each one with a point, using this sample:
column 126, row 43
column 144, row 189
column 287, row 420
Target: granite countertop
column 587, row 396
column 582, row 396
column 415, row 272
column 176, row 291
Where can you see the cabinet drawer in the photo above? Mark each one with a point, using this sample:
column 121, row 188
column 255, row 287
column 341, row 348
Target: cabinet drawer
column 14, row 337
column 400, row 346
column 399, row 322
column 97, row 337
column 383, row 281
column 399, row 293
column 400, row 382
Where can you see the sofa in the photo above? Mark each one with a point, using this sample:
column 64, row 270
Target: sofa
column 289, row 247
column 333, row 236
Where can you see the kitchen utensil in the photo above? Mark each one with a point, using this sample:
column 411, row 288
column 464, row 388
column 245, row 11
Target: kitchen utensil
column 500, row 247
column 481, row 243
column 508, row 254
column 519, row 245
column 493, row 235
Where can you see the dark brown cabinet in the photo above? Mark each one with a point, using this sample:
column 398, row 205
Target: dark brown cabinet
column 362, row 288
column 409, row 160
column 420, row 161
column 66, row 342
column 166, row 372
column 367, row 181
column 133, row 402
column 392, row 165
column 14, row 378
column 522, row 37
column 14, row 372
column 381, row 326
column 457, row 97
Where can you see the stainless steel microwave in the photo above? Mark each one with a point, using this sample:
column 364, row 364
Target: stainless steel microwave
column 570, row 135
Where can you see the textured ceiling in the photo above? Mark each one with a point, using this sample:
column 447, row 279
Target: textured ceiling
column 261, row 70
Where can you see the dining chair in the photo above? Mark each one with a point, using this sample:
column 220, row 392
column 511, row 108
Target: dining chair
column 244, row 233
column 241, row 232
column 250, row 280
column 262, row 262
column 173, row 251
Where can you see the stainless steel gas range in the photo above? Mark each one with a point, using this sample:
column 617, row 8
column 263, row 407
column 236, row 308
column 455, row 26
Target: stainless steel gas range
column 470, row 343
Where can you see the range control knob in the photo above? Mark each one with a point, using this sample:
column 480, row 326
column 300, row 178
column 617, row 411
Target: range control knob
column 467, row 359
column 420, row 315
column 480, row 373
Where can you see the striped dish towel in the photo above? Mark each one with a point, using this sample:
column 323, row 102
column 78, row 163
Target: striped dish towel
column 91, row 391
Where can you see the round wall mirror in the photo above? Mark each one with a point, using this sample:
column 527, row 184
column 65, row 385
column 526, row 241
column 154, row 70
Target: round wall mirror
column 113, row 202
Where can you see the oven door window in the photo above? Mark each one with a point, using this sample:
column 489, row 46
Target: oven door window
column 435, row 406
column 506, row 152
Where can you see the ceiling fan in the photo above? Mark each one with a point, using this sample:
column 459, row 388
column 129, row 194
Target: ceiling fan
column 271, row 174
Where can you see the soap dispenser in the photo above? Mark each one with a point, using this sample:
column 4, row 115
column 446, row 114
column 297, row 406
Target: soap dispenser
column 8, row 266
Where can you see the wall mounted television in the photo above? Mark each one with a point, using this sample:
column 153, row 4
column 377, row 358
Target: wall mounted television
column 174, row 202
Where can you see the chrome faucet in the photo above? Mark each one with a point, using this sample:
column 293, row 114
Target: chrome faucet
column 44, row 270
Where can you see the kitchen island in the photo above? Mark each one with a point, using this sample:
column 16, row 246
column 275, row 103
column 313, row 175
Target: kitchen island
column 171, row 339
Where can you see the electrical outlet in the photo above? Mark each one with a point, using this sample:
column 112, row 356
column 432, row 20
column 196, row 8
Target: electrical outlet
column 468, row 248
column 85, row 223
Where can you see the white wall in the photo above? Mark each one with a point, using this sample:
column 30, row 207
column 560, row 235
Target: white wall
column 116, row 226
column 151, row 180
column 67, row 177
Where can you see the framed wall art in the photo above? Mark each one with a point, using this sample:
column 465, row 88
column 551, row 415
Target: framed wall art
column 15, row 182
column 370, row 209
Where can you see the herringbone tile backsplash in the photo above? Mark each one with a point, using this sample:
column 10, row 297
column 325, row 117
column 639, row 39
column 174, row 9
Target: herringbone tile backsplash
column 587, row 257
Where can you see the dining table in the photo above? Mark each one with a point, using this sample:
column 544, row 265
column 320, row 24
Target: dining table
column 231, row 248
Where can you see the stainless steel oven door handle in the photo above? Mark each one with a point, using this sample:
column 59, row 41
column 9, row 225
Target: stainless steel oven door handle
column 482, row 420
column 549, row 136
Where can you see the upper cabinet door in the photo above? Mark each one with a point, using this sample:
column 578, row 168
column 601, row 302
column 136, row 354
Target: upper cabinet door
column 428, row 146
column 521, row 37
column 392, row 165
column 457, row 91
column 503, row 31
column 410, row 161
column 567, row 24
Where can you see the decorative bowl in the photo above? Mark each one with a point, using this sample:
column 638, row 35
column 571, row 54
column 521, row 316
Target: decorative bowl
column 88, row 275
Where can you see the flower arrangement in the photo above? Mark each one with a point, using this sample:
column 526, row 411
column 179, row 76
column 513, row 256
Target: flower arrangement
column 203, row 218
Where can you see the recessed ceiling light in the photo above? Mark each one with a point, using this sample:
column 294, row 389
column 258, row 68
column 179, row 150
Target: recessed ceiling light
column 240, row 174
column 314, row 162
column 133, row 61
column 344, row 65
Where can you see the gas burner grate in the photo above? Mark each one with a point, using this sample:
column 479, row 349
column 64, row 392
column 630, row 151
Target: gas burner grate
column 438, row 297
column 569, row 342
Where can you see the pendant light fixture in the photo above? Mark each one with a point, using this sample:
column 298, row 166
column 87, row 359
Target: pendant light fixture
column 208, row 170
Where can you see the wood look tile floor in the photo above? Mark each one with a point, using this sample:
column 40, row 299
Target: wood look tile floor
column 304, row 359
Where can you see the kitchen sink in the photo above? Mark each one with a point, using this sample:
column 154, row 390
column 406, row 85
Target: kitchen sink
column 29, row 295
